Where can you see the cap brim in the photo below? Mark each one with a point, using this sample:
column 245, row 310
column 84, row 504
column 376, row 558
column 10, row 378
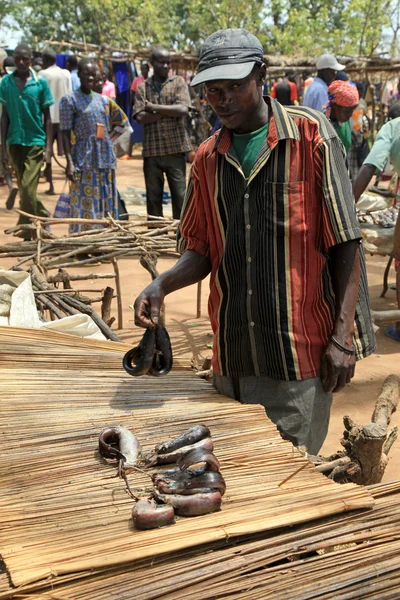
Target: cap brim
column 235, row 71
column 340, row 67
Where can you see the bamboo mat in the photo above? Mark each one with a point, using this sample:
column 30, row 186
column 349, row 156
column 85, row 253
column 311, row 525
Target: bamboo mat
column 353, row 556
column 61, row 508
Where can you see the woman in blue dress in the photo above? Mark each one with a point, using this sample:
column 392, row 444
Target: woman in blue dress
column 86, row 120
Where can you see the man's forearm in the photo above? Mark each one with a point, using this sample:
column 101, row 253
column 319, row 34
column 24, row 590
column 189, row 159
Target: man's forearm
column 345, row 270
column 146, row 118
column 174, row 110
column 49, row 134
column 363, row 178
column 190, row 268
column 66, row 135
column 4, row 130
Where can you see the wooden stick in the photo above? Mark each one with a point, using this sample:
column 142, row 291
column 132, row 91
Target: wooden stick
column 106, row 304
column 53, row 221
column 119, row 293
column 198, row 301
column 60, row 277
column 69, row 291
column 329, row 466
column 385, row 316
column 51, row 306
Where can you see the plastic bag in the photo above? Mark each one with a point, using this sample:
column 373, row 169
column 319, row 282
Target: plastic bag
column 63, row 207
column 23, row 312
column 122, row 143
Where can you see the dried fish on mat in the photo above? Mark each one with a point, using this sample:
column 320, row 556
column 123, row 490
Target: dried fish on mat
column 185, row 492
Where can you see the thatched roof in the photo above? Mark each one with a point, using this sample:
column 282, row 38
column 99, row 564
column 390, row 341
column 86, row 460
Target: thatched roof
column 277, row 64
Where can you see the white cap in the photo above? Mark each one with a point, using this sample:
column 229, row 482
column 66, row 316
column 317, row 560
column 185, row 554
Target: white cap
column 328, row 61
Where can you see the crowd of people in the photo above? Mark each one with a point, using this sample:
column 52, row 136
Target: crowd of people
column 161, row 104
column 268, row 210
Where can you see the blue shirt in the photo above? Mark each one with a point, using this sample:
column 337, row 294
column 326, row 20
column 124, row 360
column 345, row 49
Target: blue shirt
column 76, row 82
column 317, row 94
column 81, row 113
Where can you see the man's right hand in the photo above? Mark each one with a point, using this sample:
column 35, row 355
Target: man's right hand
column 148, row 304
column 70, row 172
column 4, row 159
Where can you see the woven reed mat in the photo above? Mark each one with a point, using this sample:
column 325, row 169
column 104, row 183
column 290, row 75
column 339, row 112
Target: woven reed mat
column 341, row 557
column 62, row 510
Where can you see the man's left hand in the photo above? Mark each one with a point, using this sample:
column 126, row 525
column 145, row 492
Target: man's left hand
column 337, row 368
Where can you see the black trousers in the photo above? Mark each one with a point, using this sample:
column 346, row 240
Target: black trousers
column 174, row 167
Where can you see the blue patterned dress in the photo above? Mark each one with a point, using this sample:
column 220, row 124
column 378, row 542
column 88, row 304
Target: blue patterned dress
column 94, row 193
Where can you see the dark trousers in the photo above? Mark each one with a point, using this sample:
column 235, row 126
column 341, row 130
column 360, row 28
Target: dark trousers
column 27, row 162
column 174, row 167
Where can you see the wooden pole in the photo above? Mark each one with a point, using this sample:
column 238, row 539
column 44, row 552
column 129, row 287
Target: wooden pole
column 198, row 304
column 106, row 304
column 119, row 293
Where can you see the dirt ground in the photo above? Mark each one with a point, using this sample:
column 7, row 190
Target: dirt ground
column 192, row 337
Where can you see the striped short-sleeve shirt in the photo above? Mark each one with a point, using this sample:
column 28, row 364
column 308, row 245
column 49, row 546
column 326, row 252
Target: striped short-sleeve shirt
column 268, row 237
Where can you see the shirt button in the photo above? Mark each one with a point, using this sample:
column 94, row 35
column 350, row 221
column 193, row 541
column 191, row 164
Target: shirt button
column 246, row 196
column 250, row 292
column 248, row 226
column 249, row 259
column 252, row 323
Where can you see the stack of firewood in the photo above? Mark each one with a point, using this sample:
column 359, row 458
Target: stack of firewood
column 135, row 238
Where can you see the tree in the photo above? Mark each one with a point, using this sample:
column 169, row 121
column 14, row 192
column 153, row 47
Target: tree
column 303, row 27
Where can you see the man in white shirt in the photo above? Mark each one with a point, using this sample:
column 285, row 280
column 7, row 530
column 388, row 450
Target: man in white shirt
column 59, row 81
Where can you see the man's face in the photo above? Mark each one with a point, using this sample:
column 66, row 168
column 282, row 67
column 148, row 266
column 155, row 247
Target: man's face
column 145, row 71
column 22, row 61
column 98, row 83
column 88, row 76
column 328, row 75
column 234, row 101
column 343, row 113
column 161, row 64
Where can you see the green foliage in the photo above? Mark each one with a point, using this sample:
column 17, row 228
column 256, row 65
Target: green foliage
column 307, row 27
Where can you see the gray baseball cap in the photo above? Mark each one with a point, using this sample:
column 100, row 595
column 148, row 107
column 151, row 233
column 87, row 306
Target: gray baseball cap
column 228, row 54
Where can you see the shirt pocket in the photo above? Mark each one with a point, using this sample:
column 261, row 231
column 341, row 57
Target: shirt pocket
column 285, row 207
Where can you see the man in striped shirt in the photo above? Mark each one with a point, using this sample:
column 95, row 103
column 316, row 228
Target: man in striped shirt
column 269, row 212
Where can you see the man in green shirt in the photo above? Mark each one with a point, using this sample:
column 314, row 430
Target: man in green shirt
column 26, row 128
column 386, row 147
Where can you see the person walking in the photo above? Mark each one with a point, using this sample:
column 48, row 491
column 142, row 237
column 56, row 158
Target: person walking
column 317, row 92
column 162, row 105
column 91, row 162
column 26, row 129
column 269, row 212
column 60, row 83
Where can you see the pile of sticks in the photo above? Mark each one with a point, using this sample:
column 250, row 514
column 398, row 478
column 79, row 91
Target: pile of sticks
column 364, row 457
column 135, row 238
column 67, row 302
